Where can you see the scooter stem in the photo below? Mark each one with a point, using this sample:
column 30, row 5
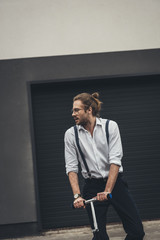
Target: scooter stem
column 94, row 218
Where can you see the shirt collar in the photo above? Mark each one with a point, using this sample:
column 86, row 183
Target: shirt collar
column 98, row 122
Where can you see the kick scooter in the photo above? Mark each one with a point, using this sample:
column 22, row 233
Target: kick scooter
column 91, row 202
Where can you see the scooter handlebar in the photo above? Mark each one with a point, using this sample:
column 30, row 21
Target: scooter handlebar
column 109, row 197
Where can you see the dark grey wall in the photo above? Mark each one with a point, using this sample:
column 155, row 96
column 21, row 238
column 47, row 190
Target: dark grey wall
column 17, row 185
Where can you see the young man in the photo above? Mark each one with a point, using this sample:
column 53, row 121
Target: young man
column 104, row 172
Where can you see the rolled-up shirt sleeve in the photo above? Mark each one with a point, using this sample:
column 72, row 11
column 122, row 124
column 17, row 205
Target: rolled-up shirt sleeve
column 115, row 145
column 71, row 160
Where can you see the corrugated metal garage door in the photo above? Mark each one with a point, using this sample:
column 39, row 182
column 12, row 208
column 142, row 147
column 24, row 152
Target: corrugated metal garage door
column 134, row 104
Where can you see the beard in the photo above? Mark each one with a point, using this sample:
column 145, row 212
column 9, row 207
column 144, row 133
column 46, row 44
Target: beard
column 81, row 121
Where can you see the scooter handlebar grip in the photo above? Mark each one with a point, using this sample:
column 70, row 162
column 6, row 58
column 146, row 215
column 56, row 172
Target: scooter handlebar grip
column 109, row 195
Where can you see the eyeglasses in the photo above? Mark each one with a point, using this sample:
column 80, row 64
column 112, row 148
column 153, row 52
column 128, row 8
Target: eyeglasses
column 76, row 110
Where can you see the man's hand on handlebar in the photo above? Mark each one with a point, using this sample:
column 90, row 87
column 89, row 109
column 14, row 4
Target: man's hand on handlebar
column 102, row 196
column 79, row 202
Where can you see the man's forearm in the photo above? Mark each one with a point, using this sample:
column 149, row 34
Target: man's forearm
column 113, row 174
column 73, row 178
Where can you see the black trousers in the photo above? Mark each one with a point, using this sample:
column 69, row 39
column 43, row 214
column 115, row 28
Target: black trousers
column 121, row 201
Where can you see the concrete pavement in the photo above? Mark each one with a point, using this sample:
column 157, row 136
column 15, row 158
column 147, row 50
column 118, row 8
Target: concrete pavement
column 115, row 232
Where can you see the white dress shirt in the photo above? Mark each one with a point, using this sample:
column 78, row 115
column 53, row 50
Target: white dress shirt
column 98, row 154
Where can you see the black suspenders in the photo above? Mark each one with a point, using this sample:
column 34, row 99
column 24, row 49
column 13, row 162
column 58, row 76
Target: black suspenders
column 79, row 148
column 107, row 131
column 80, row 151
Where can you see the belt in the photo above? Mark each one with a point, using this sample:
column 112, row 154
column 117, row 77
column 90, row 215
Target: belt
column 100, row 180
column 96, row 180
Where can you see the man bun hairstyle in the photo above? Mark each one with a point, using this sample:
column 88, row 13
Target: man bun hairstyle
column 90, row 100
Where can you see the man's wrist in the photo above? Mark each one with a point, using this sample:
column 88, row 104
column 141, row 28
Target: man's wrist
column 108, row 190
column 77, row 195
